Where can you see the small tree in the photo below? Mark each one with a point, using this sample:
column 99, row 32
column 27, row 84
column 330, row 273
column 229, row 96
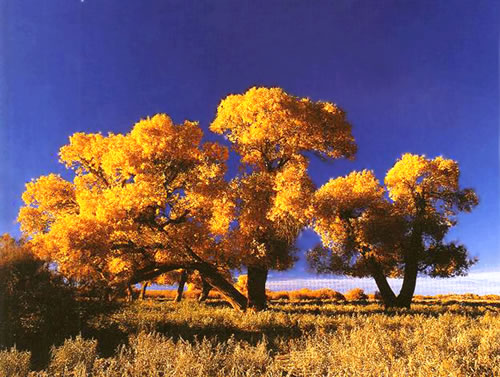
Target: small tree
column 366, row 234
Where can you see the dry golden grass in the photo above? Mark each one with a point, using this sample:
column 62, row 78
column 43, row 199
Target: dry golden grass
column 292, row 338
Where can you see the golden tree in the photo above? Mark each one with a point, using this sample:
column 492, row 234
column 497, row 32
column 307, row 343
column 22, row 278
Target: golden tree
column 364, row 233
column 272, row 132
column 140, row 204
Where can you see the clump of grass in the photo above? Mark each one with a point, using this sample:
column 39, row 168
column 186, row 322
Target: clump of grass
column 14, row 363
column 74, row 356
column 278, row 295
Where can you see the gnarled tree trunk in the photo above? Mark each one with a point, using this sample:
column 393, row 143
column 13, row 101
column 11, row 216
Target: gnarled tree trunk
column 130, row 293
column 388, row 296
column 182, row 282
column 409, row 282
column 256, row 287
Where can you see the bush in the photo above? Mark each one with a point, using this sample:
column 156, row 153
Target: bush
column 356, row 294
column 329, row 294
column 14, row 363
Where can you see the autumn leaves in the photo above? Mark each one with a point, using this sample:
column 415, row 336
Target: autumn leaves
column 156, row 199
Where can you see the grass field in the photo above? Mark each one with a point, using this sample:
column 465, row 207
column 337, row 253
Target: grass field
column 440, row 336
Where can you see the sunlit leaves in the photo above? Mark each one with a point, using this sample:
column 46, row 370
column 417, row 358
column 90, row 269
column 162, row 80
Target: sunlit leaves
column 267, row 125
column 135, row 200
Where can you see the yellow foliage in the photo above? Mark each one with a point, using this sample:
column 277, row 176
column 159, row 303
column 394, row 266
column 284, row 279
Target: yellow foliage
column 266, row 124
column 271, row 130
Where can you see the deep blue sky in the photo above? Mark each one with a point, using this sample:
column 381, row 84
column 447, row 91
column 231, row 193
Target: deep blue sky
column 413, row 76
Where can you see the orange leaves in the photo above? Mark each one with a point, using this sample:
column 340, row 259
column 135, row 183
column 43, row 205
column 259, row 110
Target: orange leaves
column 414, row 173
column 46, row 198
column 418, row 184
column 293, row 189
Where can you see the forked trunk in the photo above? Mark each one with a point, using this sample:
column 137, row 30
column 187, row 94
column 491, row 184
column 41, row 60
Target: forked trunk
column 182, row 283
column 256, row 287
column 205, row 290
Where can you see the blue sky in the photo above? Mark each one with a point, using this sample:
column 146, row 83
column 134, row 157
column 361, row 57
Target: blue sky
column 413, row 76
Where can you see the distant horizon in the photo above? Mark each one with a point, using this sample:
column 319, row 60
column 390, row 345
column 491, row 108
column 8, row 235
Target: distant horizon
column 480, row 283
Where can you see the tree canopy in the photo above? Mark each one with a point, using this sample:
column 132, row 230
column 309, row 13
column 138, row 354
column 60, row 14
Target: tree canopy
column 139, row 205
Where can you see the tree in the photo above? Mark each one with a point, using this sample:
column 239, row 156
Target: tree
column 366, row 233
column 273, row 132
column 140, row 204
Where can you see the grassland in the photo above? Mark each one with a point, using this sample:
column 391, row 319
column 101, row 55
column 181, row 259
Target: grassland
column 443, row 336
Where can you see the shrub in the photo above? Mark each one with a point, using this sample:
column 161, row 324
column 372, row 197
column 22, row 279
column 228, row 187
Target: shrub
column 329, row 294
column 356, row 294
column 37, row 307
column 318, row 294
column 74, row 355
column 300, row 294
column 14, row 363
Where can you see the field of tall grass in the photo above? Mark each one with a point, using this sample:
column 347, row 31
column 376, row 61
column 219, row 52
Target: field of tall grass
column 299, row 337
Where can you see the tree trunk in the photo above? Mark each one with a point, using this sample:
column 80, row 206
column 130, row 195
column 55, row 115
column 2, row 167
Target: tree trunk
column 142, row 296
column 205, row 290
column 388, row 296
column 180, row 288
column 256, row 287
